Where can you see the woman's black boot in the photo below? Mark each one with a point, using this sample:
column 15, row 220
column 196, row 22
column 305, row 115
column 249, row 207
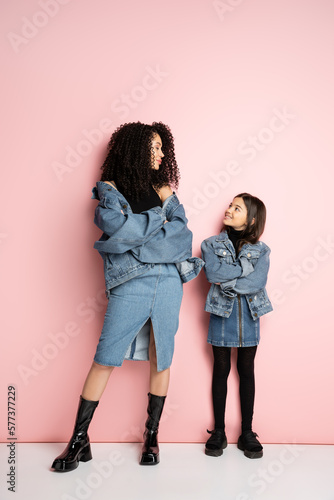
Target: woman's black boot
column 78, row 448
column 150, row 451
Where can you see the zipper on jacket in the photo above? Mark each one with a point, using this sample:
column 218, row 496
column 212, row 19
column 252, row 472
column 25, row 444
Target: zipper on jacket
column 240, row 325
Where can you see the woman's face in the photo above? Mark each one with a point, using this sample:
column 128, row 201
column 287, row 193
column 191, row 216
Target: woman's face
column 236, row 215
column 157, row 151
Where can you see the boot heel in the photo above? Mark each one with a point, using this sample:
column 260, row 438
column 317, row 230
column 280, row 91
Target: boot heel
column 86, row 455
column 78, row 448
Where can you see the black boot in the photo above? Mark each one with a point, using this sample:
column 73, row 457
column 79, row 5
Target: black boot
column 251, row 446
column 150, row 451
column 216, row 443
column 78, row 448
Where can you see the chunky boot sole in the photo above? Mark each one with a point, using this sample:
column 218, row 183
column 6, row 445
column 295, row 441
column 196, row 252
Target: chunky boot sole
column 64, row 466
column 149, row 459
column 248, row 453
column 216, row 452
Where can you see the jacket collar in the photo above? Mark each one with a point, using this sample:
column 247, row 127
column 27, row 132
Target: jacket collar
column 102, row 187
column 223, row 238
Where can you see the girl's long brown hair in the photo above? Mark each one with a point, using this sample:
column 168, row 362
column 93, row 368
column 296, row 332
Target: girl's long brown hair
column 255, row 210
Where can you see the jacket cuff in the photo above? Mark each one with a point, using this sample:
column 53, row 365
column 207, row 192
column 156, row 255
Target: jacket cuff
column 247, row 267
column 170, row 205
column 228, row 288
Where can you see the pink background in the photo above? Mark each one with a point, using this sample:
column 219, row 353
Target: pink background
column 247, row 90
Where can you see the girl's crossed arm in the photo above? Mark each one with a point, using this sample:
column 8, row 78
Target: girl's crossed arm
column 256, row 280
column 216, row 270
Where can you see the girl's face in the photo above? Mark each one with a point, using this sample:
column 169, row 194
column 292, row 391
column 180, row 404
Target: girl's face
column 157, row 151
column 236, row 215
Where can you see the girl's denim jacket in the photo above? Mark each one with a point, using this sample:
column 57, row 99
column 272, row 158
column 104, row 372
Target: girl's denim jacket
column 244, row 275
column 132, row 243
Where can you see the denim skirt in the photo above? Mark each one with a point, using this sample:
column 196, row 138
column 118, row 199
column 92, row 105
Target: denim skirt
column 153, row 298
column 238, row 330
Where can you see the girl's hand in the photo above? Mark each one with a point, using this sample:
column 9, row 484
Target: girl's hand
column 164, row 192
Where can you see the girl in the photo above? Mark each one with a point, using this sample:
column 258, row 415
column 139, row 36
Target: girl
column 146, row 250
column 237, row 264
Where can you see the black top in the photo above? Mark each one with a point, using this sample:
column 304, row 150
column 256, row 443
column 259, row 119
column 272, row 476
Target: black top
column 234, row 236
column 149, row 201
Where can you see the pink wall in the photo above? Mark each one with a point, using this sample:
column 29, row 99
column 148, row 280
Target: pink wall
column 247, row 88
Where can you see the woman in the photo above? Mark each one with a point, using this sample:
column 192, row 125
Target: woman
column 146, row 249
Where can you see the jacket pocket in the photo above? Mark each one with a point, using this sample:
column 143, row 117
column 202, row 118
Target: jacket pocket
column 217, row 298
column 224, row 255
column 260, row 298
column 252, row 255
column 117, row 265
column 259, row 303
column 217, row 303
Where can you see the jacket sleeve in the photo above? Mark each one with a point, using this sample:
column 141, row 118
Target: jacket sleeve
column 256, row 280
column 171, row 244
column 216, row 270
column 126, row 231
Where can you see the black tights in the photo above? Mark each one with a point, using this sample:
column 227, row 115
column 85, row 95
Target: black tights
column 221, row 370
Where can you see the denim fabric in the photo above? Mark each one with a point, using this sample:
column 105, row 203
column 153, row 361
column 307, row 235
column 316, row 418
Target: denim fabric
column 132, row 243
column 238, row 330
column 152, row 297
column 243, row 275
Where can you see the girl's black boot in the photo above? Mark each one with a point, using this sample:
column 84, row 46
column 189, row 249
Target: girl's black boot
column 216, row 443
column 150, row 451
column 78, row 448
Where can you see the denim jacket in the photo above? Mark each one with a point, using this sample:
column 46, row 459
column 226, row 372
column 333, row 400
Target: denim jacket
column 132, row 243
column 243, row 275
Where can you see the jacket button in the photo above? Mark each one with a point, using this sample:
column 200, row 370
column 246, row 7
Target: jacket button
column 248, row 255
column 224, row 253
column 255, row 314
column 124, row 206
column 250, row 300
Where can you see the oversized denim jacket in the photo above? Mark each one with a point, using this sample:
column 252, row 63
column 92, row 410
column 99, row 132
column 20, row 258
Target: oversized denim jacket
column 132, row 243
column 244, row 275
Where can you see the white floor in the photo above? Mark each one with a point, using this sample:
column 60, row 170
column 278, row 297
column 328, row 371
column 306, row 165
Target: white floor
column 286, row 472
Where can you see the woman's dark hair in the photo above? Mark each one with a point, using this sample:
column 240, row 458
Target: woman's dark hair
column 130, row 158
column 255, row 210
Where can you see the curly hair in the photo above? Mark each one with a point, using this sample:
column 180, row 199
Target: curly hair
column 130, row 157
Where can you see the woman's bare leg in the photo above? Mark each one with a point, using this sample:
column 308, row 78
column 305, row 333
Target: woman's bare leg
column 78, row 448
column 96, row 381
column 159, row 381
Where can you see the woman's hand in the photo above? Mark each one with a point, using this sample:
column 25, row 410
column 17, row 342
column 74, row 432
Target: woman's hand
column 164, row 192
